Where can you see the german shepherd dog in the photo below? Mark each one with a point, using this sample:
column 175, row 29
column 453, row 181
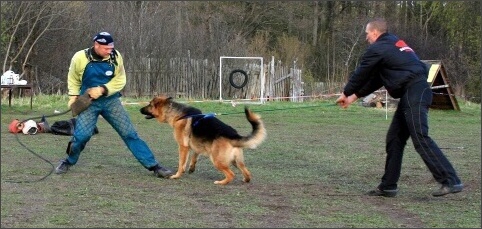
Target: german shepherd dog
column 205, row 134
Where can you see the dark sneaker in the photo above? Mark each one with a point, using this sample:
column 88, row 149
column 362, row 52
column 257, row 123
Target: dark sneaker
column 63, row 167
column 162, row 172
column 446, row 189
column 385, row 193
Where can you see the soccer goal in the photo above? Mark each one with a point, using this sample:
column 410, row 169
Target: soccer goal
column 240, row 71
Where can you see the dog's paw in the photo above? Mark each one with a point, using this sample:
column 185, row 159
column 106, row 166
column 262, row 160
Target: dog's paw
column 175, row 176
column 221, row 182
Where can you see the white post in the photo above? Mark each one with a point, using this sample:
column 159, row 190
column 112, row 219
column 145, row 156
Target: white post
column 271, row 76
column 220, row 76
column 262, row 81
column 386, row 104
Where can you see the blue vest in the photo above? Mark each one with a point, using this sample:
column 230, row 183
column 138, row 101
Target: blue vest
column 96, row 73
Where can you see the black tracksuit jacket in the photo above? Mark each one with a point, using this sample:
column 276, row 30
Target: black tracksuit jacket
column 387, row 62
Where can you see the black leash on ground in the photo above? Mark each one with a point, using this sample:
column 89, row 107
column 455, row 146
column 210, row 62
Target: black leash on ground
column 31, row 151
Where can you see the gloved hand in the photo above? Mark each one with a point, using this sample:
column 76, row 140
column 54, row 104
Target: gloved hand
column 72, row 99
column 95, row 92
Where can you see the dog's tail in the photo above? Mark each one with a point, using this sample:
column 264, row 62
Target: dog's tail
column 257, row 136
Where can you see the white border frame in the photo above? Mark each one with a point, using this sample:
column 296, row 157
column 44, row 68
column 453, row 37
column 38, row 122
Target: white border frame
column 239, row 57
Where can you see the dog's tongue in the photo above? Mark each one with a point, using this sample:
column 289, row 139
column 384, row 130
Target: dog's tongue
column 148, row 116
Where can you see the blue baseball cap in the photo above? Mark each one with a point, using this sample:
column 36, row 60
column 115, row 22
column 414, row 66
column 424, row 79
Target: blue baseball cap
column 104, row 38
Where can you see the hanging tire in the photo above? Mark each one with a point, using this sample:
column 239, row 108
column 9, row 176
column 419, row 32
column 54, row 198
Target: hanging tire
column 232, row 77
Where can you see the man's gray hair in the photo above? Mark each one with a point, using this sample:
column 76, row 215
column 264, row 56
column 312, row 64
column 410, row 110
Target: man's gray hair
column 379, row 24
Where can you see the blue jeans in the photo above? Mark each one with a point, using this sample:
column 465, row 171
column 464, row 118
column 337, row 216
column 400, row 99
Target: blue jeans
column 411, row 120
column 115, row 114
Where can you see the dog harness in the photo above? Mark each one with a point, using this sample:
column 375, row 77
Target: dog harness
column 198, row 117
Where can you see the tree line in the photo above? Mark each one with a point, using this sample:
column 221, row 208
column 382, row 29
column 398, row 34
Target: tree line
column 323, row 38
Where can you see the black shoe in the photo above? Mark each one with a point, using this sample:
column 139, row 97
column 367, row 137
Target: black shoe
column 446, row 189
column 385, row 193
column 162, row 172
column 63, row 167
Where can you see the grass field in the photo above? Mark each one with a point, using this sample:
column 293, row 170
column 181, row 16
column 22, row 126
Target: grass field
column 311, row 172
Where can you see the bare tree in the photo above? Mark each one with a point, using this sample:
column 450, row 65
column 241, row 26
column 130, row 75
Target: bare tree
column 325, row 37
column 28, row 23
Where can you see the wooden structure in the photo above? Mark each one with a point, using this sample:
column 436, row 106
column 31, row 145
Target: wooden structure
column 199, row 79
column 443, row 96
column 11, row 87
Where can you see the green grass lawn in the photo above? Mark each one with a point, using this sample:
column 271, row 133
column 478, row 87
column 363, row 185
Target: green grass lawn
column 311, row 172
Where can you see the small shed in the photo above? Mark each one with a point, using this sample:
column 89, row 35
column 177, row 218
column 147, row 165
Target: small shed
column 443, row 96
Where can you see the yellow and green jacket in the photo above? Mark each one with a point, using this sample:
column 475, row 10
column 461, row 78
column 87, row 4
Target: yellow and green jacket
column 88, row 70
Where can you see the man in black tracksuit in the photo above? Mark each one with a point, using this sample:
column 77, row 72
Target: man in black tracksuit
column 390, row 62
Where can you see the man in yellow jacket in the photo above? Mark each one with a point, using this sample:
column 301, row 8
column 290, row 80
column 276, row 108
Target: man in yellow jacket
column 99, row 71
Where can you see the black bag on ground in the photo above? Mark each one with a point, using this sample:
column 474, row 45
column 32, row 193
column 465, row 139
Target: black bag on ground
column 66, row 127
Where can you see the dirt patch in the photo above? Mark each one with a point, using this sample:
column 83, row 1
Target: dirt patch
column 388, row 206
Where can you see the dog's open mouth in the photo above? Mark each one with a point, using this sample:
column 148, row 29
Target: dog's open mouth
column 146, row 113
